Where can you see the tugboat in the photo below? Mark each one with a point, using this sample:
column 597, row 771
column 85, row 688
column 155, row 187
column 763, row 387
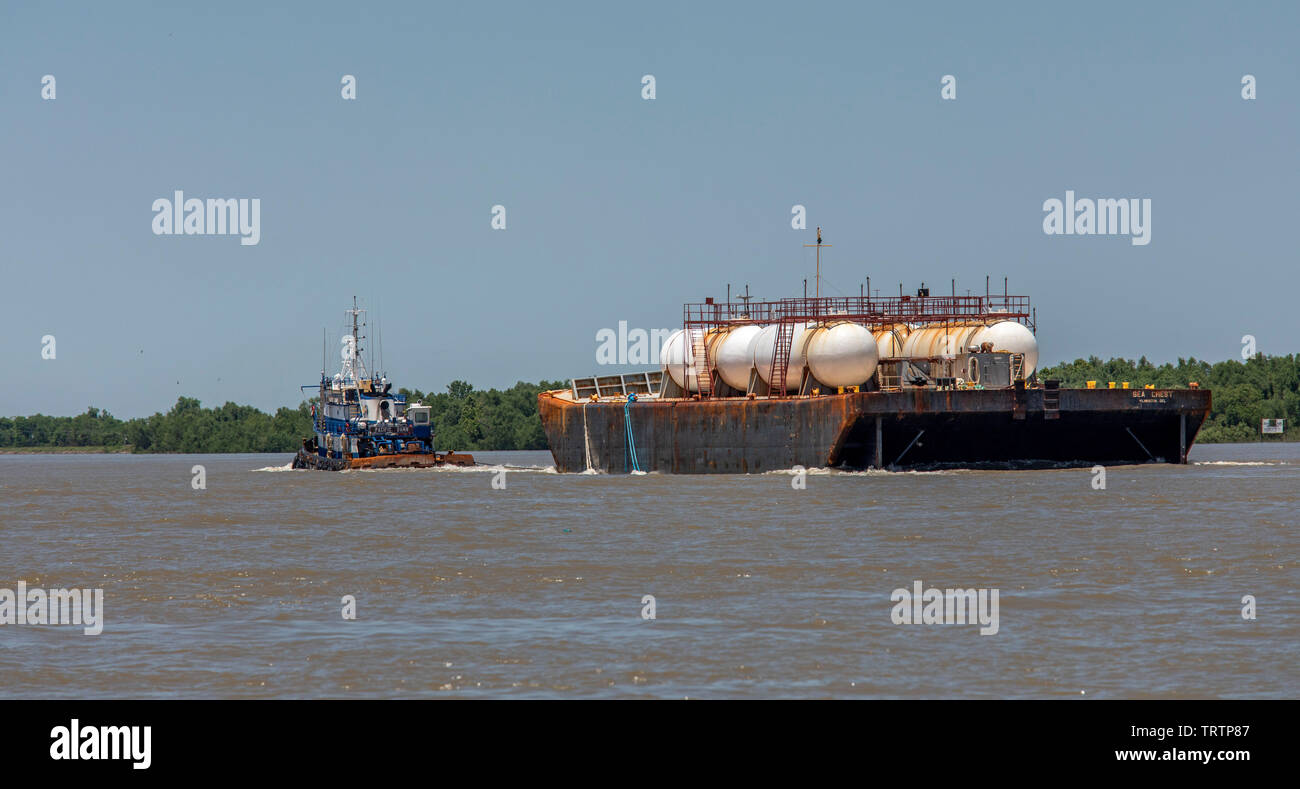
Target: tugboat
column 360, row 424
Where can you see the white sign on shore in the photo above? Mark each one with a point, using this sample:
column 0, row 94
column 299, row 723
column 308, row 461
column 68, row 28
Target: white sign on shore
column 1271, row 425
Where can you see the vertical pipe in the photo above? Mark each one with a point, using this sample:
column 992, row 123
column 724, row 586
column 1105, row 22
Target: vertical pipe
column 880, row 450
column 1182, row 438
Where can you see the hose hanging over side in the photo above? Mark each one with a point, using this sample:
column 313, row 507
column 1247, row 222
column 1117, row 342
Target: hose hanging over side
column 627, row 430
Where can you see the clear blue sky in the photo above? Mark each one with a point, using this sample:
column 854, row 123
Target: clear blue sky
column 620, row 208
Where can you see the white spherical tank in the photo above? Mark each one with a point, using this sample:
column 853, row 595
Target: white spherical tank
column 732, row 354
column 890, row 339
column 765, row 346
column 942, row 341
column 1014, row 338
column 842, row 354
column 675, row 353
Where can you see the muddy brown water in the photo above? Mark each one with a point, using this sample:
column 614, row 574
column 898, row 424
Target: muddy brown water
column 762, row 589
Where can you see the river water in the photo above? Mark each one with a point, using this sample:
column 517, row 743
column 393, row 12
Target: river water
column 528, row 583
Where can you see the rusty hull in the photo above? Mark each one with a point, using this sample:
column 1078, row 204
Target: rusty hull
column 916, row 427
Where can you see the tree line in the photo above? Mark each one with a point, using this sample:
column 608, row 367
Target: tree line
column 463, row 419
column 468, row 419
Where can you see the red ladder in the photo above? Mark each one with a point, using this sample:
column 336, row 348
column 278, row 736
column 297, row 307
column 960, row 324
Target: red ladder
column 780, row 358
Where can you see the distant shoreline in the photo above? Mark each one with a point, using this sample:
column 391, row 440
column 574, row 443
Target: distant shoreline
column 74, row 451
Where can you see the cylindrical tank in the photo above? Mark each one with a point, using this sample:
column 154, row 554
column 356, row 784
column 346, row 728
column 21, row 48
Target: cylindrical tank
column 731, row 352
column 842, row 353
column 890, row 339
column 675, row 353
column 765, row 347
column 940, row 341
column 1012, row 337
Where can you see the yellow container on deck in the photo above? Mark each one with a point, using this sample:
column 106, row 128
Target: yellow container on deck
column 1110, row 384
column 1092, row 384
column 1125, row 384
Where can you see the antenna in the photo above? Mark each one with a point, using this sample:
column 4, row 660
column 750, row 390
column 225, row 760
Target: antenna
column 819, row 246
column 745, row 298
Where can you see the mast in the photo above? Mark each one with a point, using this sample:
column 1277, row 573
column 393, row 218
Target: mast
column 321, row 399
column 356, row 339
column 355, row 367
column 819, row 246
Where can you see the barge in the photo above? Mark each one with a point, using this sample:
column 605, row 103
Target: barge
column 859, row 382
